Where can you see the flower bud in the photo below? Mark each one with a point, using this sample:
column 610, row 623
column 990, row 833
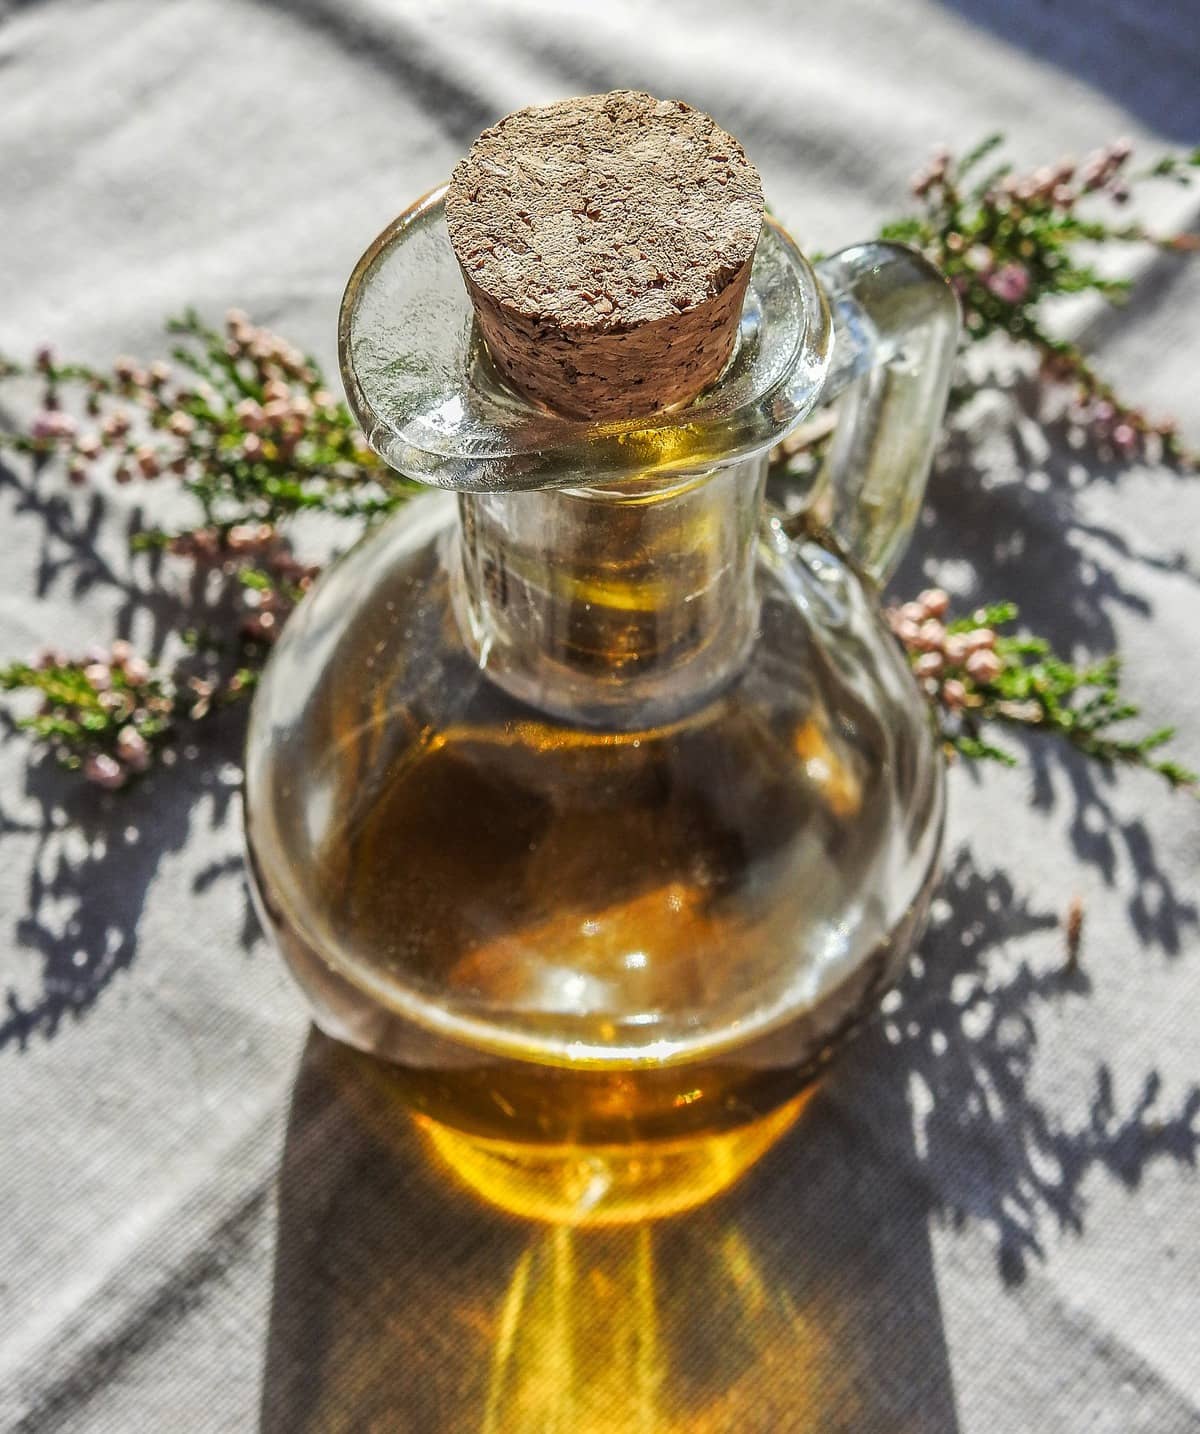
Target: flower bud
column 104, row 770
column 133, row 749
column 935, row 601
column 984, row 666
column 931, row 635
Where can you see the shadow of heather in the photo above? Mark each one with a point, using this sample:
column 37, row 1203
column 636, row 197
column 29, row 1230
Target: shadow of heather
column 70, row 558
column 94, row 858
column 961, row 1032
column 1004, row 510
column 804, row 1298
column 94, row 854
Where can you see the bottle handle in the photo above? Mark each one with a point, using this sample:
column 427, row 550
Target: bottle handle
column 895, row 335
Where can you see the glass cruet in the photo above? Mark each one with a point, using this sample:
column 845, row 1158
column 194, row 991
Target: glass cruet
column 582, row 790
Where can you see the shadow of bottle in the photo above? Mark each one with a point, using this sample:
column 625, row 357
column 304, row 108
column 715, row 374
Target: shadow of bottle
column 401, row 1303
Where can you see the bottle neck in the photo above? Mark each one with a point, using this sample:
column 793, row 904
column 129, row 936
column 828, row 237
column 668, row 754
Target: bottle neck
column 612, row 606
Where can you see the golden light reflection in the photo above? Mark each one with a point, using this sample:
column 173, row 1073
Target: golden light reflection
column 607, row 1184
column 826, row 767
column 435, row 1314
column 598, row 1334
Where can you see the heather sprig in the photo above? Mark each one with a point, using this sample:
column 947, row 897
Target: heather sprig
column 242, row 419
column 246, row 426
column 974, row 674
column 1007, row 242
column 109, row 713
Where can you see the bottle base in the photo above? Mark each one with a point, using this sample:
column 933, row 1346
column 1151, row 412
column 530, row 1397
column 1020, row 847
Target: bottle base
column 604, row 1185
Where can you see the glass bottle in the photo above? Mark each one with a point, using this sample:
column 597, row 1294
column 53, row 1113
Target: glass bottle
column 588, row 790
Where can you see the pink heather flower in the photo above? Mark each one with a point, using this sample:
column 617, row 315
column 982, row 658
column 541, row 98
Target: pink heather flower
column 954, row 694
column 182, row 425
column 1103, row 413
column 913, row 612
column 125, row 368
column 1095, row 169
column 935, row 601
column 53, row 424
column 133, row 749
column 122, row 651
column 115, row 425
column 249, row 412
column 1120, row 150
column 252, row 445
column 979, row 639
column 98, row 675
column 930, row 635
column 276, row 391
column 261, row 626
column 50, row 657
column 955, row 648
column 88, row 445
column 159, row 372
column 137, row 671
column 1125, row 437
column 121, row 473
column 323, row 398
column 147, row 461
column 983, row 666
column 105, row 771
column 929, row 664
column 1010, row 283
column 242, row 537
column 236, row 319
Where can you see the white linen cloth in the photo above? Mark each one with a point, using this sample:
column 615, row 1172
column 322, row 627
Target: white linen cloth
column 209, row 1220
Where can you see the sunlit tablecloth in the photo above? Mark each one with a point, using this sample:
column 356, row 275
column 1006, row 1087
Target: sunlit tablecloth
column 212, row 1219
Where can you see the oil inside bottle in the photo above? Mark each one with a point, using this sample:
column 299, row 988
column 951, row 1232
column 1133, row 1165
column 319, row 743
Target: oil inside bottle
column 580, row 949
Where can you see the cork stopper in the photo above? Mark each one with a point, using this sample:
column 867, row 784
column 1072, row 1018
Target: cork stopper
column 606, row 242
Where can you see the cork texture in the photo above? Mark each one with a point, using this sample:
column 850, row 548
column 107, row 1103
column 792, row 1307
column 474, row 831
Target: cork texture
column 606, row 242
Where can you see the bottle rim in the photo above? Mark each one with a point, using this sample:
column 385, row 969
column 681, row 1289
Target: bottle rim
column 430, row 403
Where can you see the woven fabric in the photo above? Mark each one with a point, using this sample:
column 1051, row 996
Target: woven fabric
column 211, row 1219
